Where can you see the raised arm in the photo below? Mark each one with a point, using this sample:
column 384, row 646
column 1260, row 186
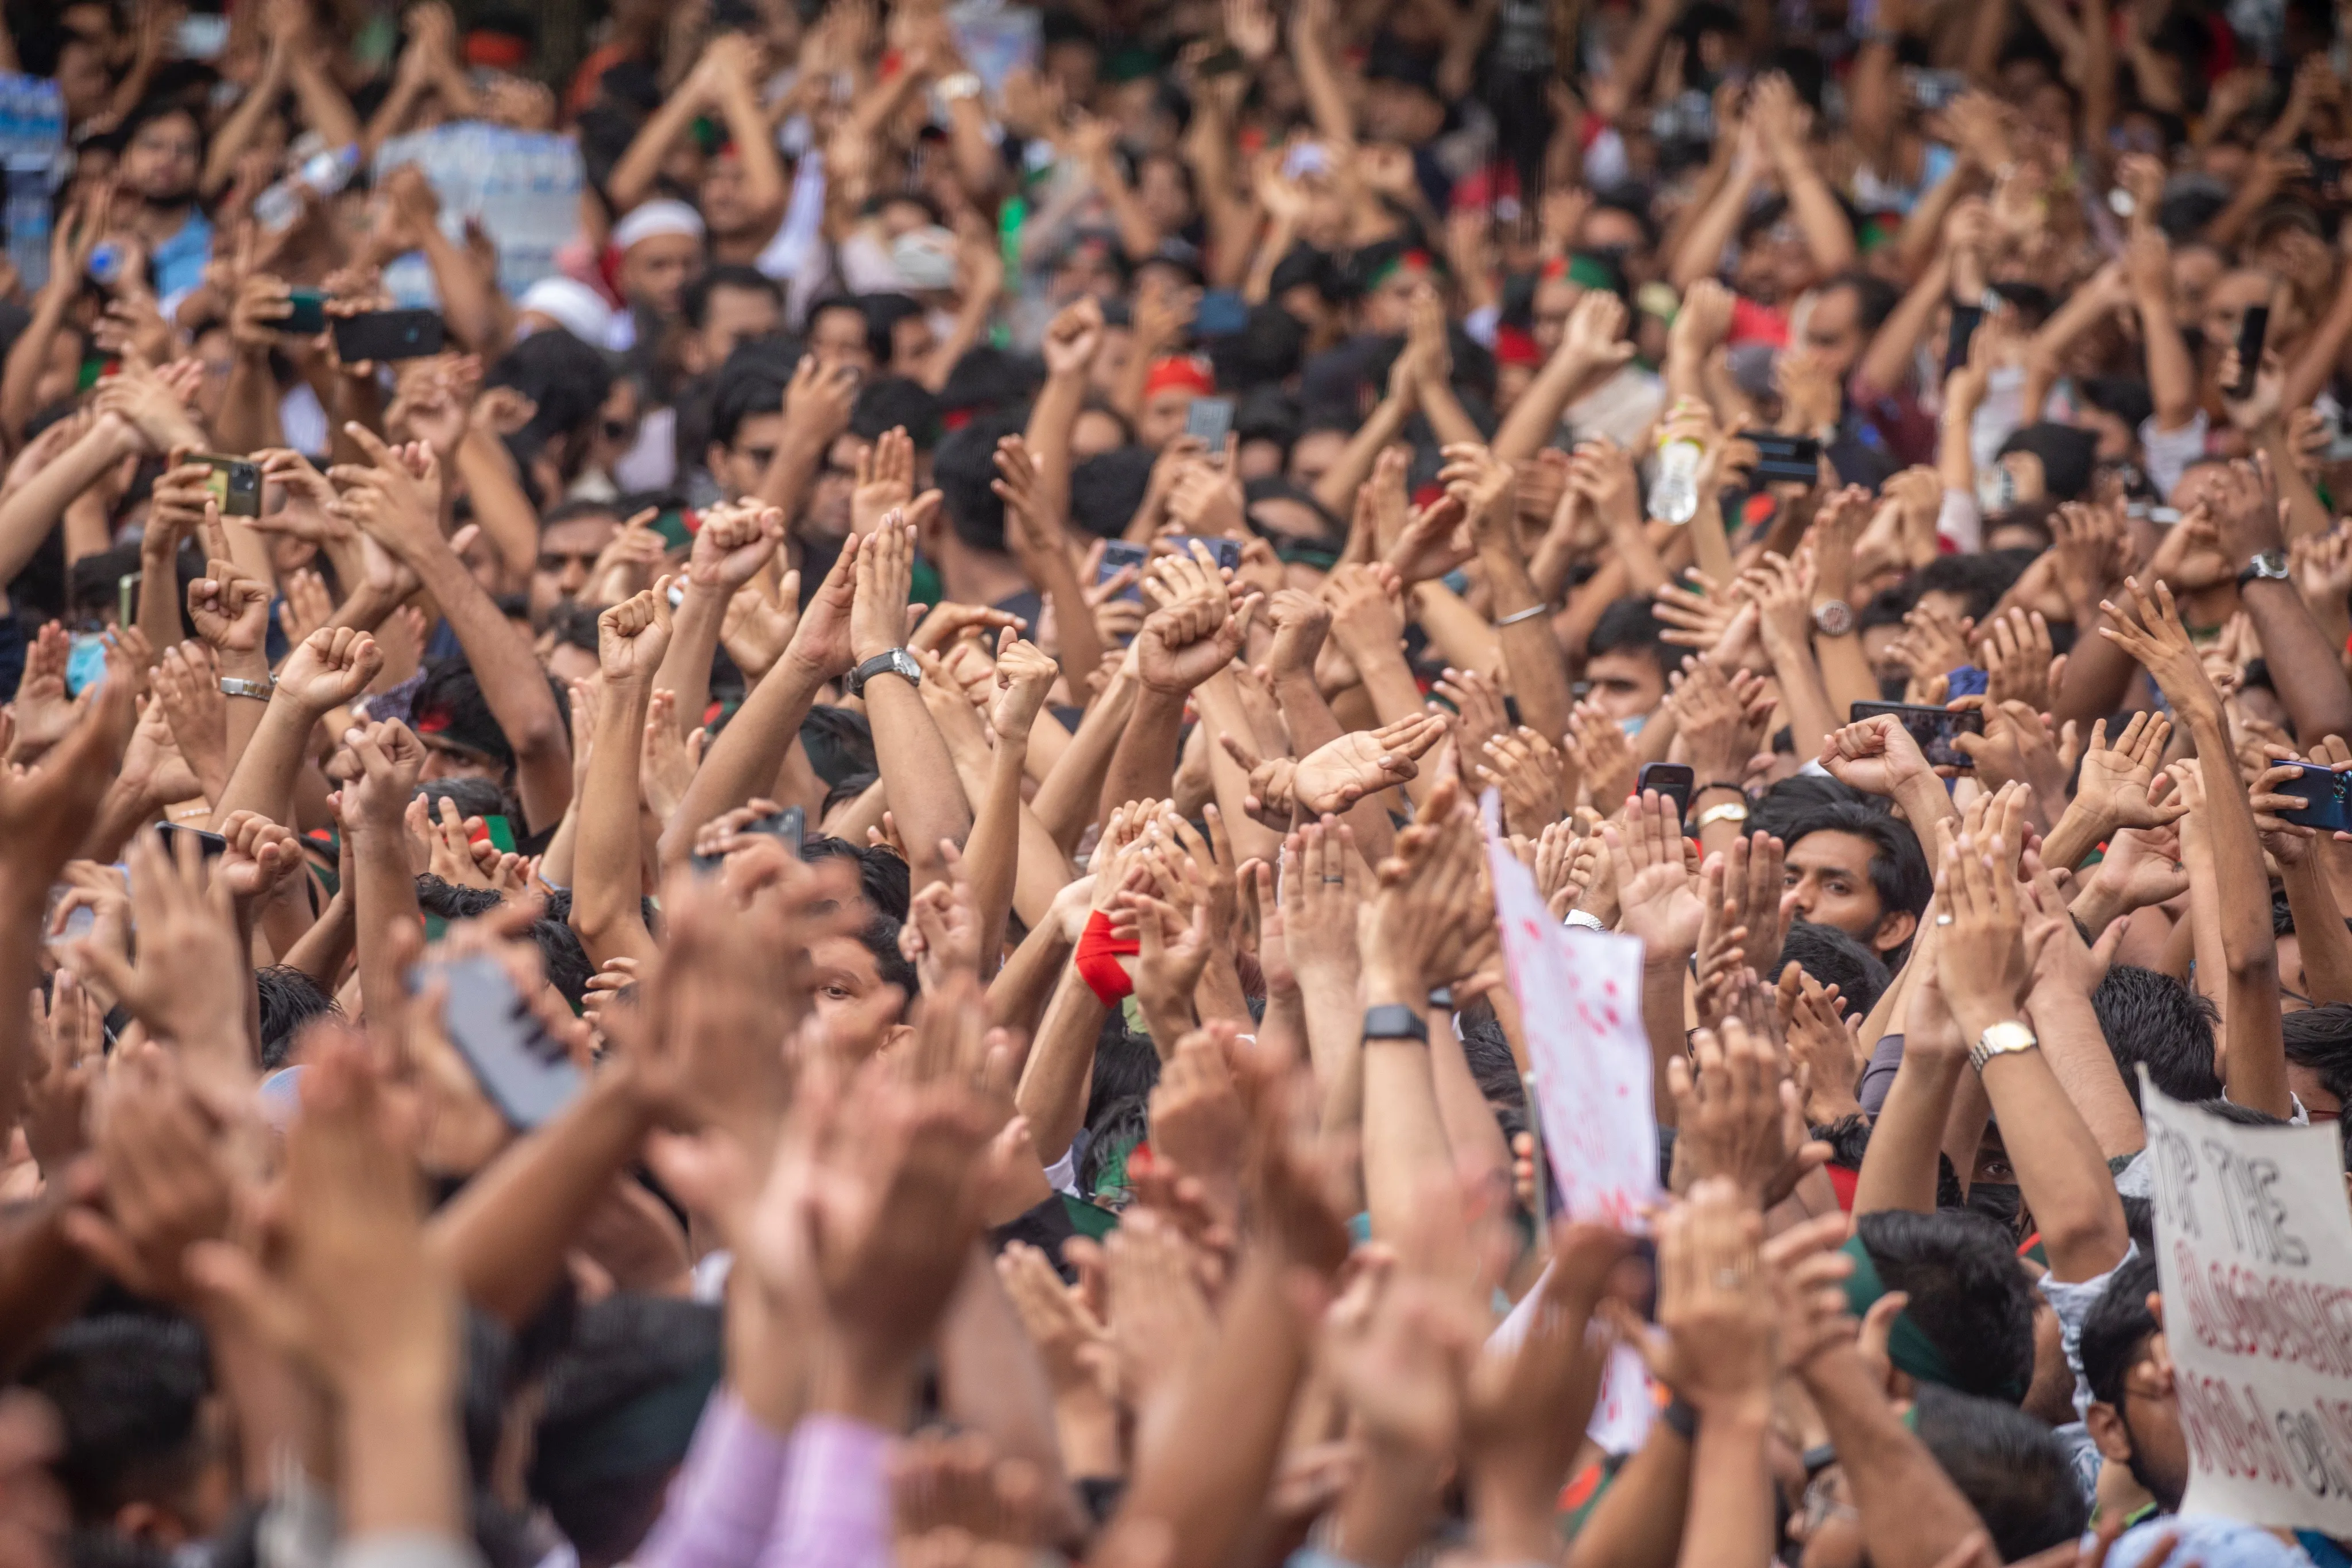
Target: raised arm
column 608, row 877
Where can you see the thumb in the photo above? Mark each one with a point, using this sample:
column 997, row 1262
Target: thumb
column 2103, row 950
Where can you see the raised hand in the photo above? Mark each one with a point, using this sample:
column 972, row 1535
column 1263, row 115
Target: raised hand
column 1183, row 644
column 633, row 635
column 735, row 543
column 2150, row 631
column 1655, row 896
column 1877, row 756
column 330, row 668
column 189, row 981
column 2117, row 787
column 1024, row 675
column 1340, row 772
column 877, row 614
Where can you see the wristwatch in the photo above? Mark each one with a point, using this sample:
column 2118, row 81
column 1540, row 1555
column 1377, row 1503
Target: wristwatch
column 2270, row 566
column 1729, row 811
column 1833, row 618
column 246, row 686
column 962, row 84
column 2003, row 1039
column 1394, row 1020
column 897, row 662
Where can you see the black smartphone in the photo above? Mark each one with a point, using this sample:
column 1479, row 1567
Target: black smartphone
column 306, row 315
column 1115, row 554
column 235, row 484
column 1965, row 321
column 526, row 1072
column 2327, row 795
column 1932, row 727
column 789, row 825
column 2252, row 328
column 211, row 846
column 1674, row 781
column 1225, row 553
column 1211, row 419
column 387, row 335
column 1792, row 459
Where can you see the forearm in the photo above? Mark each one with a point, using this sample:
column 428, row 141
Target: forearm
column 262, row 779
column 402, row 1470
column 1456, row 633
column 514, row 685
column 28, row 356
column 608, row 884
column 1892, row 348
column 45, row 1279
column 1026, row 984
column 926, row 796
column 786, row 483
column 1530, row 652
column 383, row 901
column 1898, row 1168
column 747, row 756
column 500, row 507
column 324, row 107
column 1066, row 799
column 327, row 945
column 633, row 177
column 28, row 517
column 248, row 421
column 1700, row 252
column 504, row 1236
column 1663, row 975
column 1638, row 1521
column 2306, row 670
column 1143, row 767
column 685, row 670
column 1335, row 490
column 1730, row 1519
column 1911, row 1514
column 992, row 857
column 1804, row 699
column 1828, row 235
column 2171, row 376
column 1055, row 1077
column 2061, row 1170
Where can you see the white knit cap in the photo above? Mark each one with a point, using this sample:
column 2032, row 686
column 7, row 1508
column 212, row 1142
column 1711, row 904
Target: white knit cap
column 572, row 306
column 655, row 218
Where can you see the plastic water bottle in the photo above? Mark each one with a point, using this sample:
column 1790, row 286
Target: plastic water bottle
column 1674, row 497
column 32, row 137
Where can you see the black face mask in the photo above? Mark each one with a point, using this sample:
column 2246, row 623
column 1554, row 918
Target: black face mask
column 1997, row 1201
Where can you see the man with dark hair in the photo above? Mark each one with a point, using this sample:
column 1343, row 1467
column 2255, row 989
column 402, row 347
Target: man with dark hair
column 146, row 1457
column 2319, row 1058
column 963, row 537
column 747, row 421
column 571, row 538
column 2152, row 1018
column 1835, row 957
column 2012, row 1472
column 840, row 333
column 1861, row 871
column 726, row 306
column 162, row 153
column 2134, row 1416
column 1628, row 659
column 1971, row 1301
column 289, row 999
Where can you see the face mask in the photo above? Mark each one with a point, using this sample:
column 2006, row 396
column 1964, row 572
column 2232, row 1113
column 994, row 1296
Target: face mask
column 1997, row 1201
column 86, row 664
column 1633, row 727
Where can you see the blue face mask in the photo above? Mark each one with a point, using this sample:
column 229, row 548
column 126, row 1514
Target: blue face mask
column 86, row 664
column 1633, row 727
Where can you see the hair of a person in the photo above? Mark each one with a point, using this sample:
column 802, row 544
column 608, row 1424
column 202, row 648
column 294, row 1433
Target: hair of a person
column 1967, row 1294
column 889, row 402
column 561, row 953
column 1630, row 625
column 748, row 385
column 621, row 1402
column 1835, row 959
column 2116, row 1326
column 1107, row 490
column 735, row 275
column 289, row 999
column 129, row 1391
column 963, row 470
column 882, row 876
column 2008, row 1467
column 2320, row 1039
column 2152, row 1019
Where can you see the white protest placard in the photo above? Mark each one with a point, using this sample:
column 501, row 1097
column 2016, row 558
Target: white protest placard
column 2255, row 1251
column 1580, row 996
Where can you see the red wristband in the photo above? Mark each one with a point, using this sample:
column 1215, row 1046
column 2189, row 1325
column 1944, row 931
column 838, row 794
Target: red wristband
column 1096, row 960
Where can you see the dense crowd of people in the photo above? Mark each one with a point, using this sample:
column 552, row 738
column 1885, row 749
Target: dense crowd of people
column 814, row 881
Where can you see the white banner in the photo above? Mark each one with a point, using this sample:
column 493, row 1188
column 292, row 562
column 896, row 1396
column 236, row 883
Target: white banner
column 2255, row 1251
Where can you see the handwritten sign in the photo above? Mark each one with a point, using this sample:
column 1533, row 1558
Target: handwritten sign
column 1580, row 995
column 2254, row 1251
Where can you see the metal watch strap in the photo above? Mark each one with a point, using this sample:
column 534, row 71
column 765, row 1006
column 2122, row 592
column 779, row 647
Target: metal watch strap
column 1394, row 1020
column 247, row 686
column 2006, row 1037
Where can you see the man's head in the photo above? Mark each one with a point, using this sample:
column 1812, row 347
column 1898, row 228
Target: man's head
column 2007, row 1464
column 462, row 738
column 163, row 150
column 1860, row 870
column 622, row 1399
column 1627, row 659
column 747, row 425
column 2319, row 1058
column 726, row 306
column 971, row 515
column 660, row 244
column 289, row 999
column 724, row 198
column 1167, row 394
column 1969, row 1300
column 1845, row 314
column 570, row 539
column 2135, row 1414
column 1834, row 958
column 146, row 1450
column 2151, row 1018
column 838, row 334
